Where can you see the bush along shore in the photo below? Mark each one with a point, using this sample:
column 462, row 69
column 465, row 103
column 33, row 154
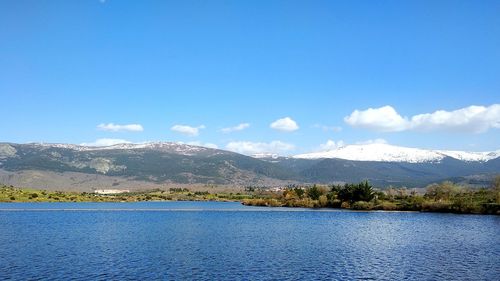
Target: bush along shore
column 443, row 197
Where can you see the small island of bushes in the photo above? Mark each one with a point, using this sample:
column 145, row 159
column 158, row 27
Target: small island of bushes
column 439, row 197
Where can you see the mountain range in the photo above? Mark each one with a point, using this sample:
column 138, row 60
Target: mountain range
column 162, row 164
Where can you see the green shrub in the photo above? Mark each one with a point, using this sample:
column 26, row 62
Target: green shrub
column 345, row 205
column 273, row 203
column 323, row 201
column 362, row 205
column 335, row 203
column 465, row 205
column 491, row 208
column 386, row 206
column 436, row 206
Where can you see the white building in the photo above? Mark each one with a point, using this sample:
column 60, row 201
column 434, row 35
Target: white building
column 111, row 191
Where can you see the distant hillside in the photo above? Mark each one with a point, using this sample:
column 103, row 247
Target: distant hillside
column 137, row 166
column 155, row 162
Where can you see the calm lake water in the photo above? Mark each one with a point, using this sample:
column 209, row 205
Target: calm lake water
column 228, row 241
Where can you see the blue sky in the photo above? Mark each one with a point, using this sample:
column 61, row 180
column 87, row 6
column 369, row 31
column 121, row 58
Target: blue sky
column 176, row 67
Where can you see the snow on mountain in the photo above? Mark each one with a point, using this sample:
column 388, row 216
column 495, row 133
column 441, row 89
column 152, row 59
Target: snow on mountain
column 165, row 146
column 265, row 155
column 389, row 153
column 471, row 156
column 379, row 152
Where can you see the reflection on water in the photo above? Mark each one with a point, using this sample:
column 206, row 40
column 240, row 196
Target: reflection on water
column 228, row 241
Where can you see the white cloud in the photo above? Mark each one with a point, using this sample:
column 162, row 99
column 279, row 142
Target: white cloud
column 472, row 119
column 187, row 130
column 199, row 143
column 384, row 119
column 331, row 145
column 105, row 142
column 286, row 124
column 249, row 148
column 119, row 128
column 239, row 127
column 328, row 128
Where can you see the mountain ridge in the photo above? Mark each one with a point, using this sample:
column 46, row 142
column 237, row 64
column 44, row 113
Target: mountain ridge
column 380, row 152
column 166, row 163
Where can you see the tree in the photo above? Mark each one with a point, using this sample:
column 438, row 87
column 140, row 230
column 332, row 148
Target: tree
column 357, row 192
column 299, row 191
column 442, row 191
column 314, row 192
column 364, row 192
column 346, row 193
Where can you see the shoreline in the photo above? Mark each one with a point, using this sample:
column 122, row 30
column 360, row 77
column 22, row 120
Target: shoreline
column 443, row 198
column 256, row 209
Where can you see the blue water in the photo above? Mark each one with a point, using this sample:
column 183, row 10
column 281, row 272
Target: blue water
column 228, row 241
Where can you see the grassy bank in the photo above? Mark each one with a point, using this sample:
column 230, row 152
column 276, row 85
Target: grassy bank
column 13, row 194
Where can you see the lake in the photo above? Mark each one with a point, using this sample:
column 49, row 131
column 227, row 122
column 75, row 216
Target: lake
column 228, row 241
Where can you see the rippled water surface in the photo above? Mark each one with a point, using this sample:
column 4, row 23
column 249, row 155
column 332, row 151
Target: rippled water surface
column 227, row 241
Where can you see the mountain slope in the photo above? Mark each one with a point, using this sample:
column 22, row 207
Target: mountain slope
column 386, row 165
column 158, row 164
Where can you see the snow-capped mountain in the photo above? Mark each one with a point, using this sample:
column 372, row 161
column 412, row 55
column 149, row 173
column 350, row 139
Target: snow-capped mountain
column 380, row 152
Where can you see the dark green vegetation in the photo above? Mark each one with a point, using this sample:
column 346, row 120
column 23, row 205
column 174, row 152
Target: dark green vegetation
column 161, row 163
column 12, row 194
column 443, row 197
